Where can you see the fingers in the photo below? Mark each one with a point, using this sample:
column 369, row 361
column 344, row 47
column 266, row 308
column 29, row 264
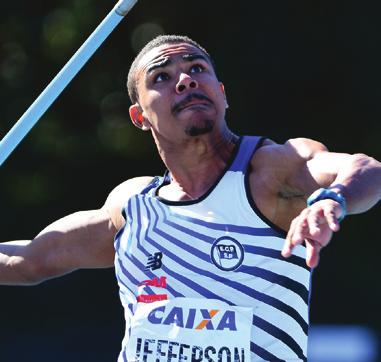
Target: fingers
column 314, row 226
column 313, row 249
column 295, row 234
column 332, row 220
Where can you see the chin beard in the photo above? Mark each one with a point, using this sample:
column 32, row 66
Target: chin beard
column 198, row 130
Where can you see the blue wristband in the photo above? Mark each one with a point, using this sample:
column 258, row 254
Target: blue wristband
column 323, row 194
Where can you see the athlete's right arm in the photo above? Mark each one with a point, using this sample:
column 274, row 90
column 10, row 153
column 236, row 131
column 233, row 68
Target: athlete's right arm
column 81, row 240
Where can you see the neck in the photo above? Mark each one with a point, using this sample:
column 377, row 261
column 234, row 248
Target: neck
column 196, row 163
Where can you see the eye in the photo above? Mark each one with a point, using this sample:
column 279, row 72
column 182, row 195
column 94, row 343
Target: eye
column 161, row 77
column 197, row 68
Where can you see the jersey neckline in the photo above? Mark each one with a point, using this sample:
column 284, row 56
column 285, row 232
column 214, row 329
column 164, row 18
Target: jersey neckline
column 166, row 181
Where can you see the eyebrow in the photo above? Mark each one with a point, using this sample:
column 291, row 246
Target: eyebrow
column 191, row 57
column 162, row 64
column 168, row 61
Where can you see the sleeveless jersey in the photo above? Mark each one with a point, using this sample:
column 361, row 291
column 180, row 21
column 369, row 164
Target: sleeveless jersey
column 199, row 266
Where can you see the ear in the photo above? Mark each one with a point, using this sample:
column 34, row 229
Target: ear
column 223, row 92
column 137, row 117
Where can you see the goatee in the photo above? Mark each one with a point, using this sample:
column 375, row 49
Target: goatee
column 198, row 130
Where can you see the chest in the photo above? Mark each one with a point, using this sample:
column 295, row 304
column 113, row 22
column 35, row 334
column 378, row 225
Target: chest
column 201, row 252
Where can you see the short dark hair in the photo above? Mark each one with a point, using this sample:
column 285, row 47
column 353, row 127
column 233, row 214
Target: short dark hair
column 154, row 43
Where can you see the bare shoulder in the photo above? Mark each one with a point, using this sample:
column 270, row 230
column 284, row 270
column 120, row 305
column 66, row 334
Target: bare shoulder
column 279, row 178
column 282, row 163
column 118, row 197
column 302, row 149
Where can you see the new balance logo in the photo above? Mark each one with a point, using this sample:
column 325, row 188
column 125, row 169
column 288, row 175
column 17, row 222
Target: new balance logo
column 154, row 261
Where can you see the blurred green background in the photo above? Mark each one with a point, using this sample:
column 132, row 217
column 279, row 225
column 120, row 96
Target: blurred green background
column 290, row 69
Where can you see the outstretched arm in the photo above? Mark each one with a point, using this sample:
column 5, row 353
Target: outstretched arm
column 80, row 240
column 356, row 177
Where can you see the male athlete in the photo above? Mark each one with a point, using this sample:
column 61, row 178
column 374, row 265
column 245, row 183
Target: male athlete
column 213, row 259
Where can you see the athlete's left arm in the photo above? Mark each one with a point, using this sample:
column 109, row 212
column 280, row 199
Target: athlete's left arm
column 356, row 177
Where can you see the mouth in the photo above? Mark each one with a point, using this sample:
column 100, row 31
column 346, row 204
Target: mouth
column 193, row 100
column 193, row 105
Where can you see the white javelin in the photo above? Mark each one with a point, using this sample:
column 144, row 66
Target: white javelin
column 63, row 78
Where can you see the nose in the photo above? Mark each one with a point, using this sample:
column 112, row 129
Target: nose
column 185, row 82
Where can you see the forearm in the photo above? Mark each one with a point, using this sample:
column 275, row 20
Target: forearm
column 15, row 266
column 80, row 240
column 359, row 180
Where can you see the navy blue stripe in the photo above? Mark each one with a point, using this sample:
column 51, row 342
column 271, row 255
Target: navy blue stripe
column 189, row 283
column 196, row 287
column 275, row 254
column 247, row 230
column 278, row 334
column 127, row 214
column 170, row 238
column 275, row 278
column 131, row 307
column 246, row 149
column 132, row 280
column 284, row 281
column 137, row 263
column 232, row 284
column 139, row 227
column 129, row 209
column 266, row 355
column 182, row 228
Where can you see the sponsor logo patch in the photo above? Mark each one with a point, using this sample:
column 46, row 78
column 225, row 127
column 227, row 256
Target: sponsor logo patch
column 154, row 261
column 190, row 330
column 194, row 318
column 227, row 253
column 150, row 298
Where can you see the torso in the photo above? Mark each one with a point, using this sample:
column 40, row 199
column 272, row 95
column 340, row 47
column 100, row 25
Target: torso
column 186, row 234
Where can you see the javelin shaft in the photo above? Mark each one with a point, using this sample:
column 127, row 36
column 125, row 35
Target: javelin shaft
column 62, row 79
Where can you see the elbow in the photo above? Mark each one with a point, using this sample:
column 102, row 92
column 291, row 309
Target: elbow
column 370, row 167
column 366, row 181
column 40, row 270
column 30, row 271
column 35, row 273
column 24, row 271
column 364, row 160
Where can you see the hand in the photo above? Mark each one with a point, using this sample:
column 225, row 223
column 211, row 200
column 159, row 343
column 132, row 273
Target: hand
column 315, row 226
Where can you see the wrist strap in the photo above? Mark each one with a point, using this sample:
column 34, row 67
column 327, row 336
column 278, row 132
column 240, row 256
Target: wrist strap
column 323, row 194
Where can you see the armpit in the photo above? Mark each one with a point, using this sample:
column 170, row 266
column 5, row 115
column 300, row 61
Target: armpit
column 288, row 193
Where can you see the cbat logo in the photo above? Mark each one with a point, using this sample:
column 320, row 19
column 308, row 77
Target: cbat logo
column 227, row 253
column 193, row 318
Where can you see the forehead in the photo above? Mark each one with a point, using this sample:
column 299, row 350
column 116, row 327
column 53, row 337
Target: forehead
column 165, row 52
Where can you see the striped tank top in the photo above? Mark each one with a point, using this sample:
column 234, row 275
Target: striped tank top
column 204, row 280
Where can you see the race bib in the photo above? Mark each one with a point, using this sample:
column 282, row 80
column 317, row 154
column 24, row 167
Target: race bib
column 191, row 330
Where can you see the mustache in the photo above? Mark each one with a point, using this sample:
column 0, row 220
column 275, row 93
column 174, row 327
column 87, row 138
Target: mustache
column 189, row 98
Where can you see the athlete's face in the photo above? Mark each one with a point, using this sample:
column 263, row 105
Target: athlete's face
column 178, row 93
